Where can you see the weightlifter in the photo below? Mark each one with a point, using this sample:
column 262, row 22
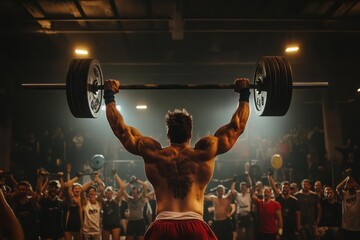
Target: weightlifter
column 178, row 172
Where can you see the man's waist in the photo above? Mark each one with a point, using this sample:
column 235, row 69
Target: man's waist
column 170, row 215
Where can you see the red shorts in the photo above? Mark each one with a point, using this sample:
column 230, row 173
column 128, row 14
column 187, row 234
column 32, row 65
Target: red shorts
column 193, row 229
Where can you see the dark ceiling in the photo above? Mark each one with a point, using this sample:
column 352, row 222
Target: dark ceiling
column 162, row 41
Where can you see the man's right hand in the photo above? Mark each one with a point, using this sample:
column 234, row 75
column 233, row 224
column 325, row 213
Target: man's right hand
column 270, row 172
column 68, row 168
column 113, row 171
column 241, row 83
column 112, row 85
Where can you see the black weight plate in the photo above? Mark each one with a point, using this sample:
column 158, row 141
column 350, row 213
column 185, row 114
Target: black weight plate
column 83, row 101
column 277, row 103
column 97, row 162
column 272, row 93
column 94, row 98
column 71, row 87
column 262, row 86
column 270, row 82
column 81, row 76
column 288, row 86
column 82, row 88
column 282, row 86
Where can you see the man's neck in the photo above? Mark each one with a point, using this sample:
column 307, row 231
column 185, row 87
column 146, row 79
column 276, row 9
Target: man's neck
column 286, row 196
column 179, row 144
column 306, row 192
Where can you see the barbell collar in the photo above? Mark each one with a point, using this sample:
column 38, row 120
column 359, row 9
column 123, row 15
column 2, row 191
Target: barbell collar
column 62, row 86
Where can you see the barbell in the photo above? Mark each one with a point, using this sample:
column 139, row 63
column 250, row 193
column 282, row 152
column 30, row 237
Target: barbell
column 97, row 162
column 272, row 86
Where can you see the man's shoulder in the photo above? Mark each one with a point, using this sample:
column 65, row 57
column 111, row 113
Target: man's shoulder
column 274, row 202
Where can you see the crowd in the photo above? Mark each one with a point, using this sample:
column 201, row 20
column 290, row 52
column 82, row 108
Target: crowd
column 302, row 150
column 299, row 201
column 62, row 208
column 255, row 210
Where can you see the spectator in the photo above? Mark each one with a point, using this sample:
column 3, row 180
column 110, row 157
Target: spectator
column 245, row 223
column 270, row 219
column 330, row 215
column 310, row 210
column 289, row 208
column 222, row 225
column 349, row 193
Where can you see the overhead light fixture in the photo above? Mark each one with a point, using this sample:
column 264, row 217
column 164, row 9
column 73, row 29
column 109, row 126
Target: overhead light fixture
column 141, row 107
column 358, row 90
column 118, row 107
column 292, row 49
column 81, row 52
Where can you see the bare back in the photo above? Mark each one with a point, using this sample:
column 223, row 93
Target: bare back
column 179, row 173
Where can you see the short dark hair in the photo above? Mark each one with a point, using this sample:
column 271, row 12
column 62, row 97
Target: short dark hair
column 285, row 183
column 55, row 183
column 305, row 180
column 92, row 187
column 179, row 125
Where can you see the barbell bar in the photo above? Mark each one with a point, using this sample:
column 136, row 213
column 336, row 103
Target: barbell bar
column 62, row 86
column 272, row 85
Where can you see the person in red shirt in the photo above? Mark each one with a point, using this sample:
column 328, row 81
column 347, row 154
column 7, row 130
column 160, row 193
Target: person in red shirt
column 270, row 219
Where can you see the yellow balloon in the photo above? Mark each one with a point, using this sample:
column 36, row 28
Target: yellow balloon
column 276, row 161
column 58, row 162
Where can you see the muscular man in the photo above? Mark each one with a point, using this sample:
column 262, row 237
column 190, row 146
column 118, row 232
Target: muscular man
column 178, row 172
column 222, row 225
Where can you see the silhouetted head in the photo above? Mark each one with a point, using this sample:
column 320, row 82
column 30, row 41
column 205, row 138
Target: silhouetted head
column 179, row 126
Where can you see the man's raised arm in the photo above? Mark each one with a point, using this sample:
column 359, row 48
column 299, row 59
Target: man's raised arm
column 228, row 134
column 128, row 136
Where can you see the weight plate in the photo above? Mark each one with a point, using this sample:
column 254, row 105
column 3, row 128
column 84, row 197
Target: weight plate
column 278, row 103
column 82, row 89
column 273, row 82
column 71, row 87
column 97, row 162
column 272, row 92
column 95, row 97
column 261, row 87
column 282, row 86
column 275, row 91
column 82, row 75
column 286, row 85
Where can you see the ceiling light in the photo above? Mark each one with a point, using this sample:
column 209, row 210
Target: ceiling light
column 118, row 107
column 292, row 49
column 358, row 90
column 81, row 52
column 141, row 107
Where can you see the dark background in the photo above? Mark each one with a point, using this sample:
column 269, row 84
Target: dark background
column 154, row 41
